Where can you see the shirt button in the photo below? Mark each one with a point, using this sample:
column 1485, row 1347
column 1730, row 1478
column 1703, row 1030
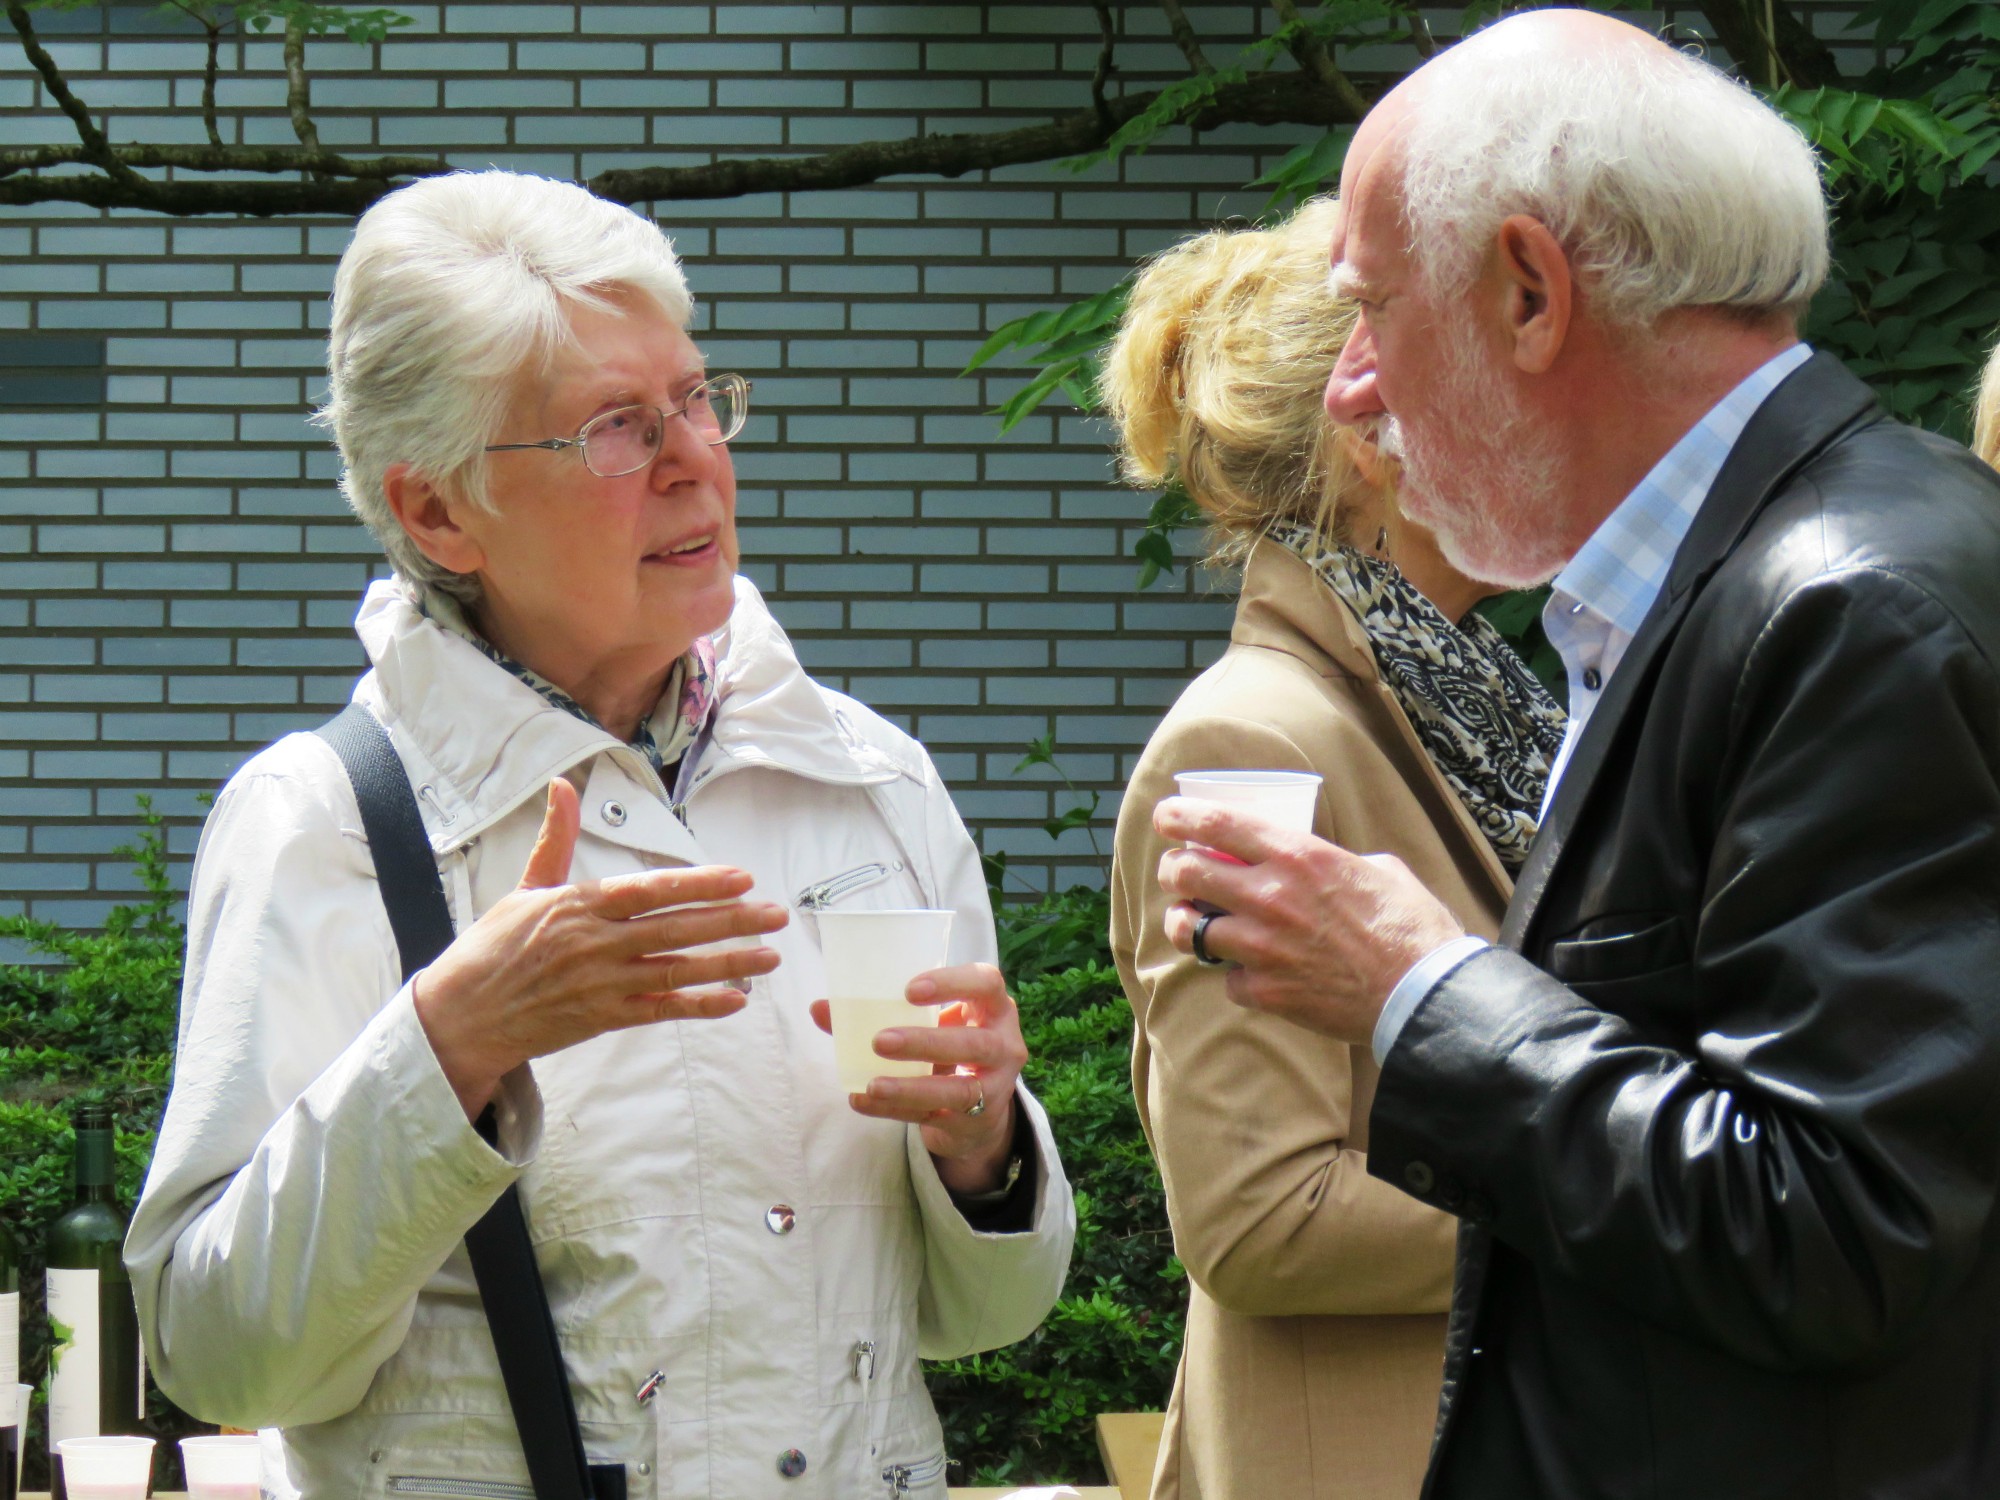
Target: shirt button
column 1419, row 1177
column 779, row 1219
column 1592, row 679
column 791, row 1463
column 645, row 1469
column 614, row 814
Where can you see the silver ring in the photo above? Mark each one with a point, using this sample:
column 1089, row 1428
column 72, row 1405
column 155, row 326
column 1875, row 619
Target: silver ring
column 1200, row 941
column 978, row 1106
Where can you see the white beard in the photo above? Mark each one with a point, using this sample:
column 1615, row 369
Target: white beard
column 1493, row 494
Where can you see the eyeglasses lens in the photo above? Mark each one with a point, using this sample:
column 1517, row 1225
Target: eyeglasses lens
column 622, row 441
column 626, row 440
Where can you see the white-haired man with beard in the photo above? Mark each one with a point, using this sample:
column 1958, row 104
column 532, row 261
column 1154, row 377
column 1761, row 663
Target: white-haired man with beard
column 1720, row 1114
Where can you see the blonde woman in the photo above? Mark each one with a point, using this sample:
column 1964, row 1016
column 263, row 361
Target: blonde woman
column 1315, row 1333
column 1986, row 412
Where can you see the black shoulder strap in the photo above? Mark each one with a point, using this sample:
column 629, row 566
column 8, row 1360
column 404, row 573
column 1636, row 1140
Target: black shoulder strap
column 503, row 1257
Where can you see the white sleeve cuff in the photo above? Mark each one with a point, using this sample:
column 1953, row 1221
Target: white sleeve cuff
column 1424, row 976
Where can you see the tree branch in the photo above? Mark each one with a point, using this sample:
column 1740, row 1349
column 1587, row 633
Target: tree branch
column 1102, row 76
column 1313, row 60
column 297, row 90
column 1420, row 29
column 1269, row 99
column 214, row 30
column 96, row 149
column 227, row 159
column 1184, row 37
column 1802, row 57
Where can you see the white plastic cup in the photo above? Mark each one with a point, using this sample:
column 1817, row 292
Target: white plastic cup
column 106, row 1468
column 223, row 1468
column 1287, row 798
column 871, row 957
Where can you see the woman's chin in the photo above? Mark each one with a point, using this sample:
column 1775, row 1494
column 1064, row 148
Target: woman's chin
column 690, row 598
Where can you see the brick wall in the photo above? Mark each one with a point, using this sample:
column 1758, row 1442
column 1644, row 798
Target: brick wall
column 177, row 572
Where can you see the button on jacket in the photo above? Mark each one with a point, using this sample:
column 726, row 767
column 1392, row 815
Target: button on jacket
column 1729, row 1113
column 1316, row 1302
column 719, row 1233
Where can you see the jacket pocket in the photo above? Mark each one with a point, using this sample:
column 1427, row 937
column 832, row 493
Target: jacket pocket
column 458, row 1489
column 921, row 1477
column 1623, row 947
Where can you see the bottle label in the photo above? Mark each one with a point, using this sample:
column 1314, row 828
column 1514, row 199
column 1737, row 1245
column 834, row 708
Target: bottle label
column 73, row 1356
column 10, row 1339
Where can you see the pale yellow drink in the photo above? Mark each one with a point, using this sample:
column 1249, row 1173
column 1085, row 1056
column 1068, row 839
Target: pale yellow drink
column 871, row 957
column 855, row 1026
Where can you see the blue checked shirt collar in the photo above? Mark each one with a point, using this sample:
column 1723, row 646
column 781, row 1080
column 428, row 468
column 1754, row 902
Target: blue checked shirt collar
column 1624, row 565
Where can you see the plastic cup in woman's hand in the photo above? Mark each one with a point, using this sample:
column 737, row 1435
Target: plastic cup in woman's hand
column 871, row 957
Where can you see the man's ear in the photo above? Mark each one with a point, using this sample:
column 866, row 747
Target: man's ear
column 431, row 520
column 1537, row 293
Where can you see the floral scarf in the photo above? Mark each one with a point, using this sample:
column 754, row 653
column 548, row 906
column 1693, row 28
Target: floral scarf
column 1489, row 726
column 663, row 737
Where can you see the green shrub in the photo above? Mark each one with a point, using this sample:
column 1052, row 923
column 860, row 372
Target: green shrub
column 98, row 1023
column 1024, row 1414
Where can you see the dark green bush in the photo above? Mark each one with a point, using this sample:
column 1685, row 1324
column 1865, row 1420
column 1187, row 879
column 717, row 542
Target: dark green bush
column 98, row 1023
column 1024, row 1414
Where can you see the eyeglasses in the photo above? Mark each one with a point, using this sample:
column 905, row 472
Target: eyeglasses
column 626, row 440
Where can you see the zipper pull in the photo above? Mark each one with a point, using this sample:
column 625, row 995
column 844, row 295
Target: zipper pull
column 650, row 1387
column 864, row 1360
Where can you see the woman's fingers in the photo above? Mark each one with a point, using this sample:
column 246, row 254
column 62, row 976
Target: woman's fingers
column 981, row 1047
column 555, row 845
column 625, row 896
column 981, row 987
column 660, row 972
column 692, row 926
column 925, row 1101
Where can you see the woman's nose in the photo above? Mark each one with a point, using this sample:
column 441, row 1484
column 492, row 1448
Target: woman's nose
column 1351, row 396
column 684, row 454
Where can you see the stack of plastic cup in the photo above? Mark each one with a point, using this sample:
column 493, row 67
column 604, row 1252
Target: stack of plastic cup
column 871, row 957
column 223, row 1468
column 106, row 1468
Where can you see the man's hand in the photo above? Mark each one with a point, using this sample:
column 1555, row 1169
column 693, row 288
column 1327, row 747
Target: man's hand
column 1320, row 935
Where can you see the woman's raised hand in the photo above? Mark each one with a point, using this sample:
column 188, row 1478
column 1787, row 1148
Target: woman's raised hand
column 553, row 964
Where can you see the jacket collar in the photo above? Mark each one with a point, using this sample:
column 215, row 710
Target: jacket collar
column 478, row 741
column 1815, row 405
column 1286, row 607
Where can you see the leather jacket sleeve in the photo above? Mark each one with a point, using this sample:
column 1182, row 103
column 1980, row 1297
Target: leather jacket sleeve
column 1761, row 1114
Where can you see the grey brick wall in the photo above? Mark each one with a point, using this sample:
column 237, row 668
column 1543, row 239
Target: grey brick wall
column 177, row 573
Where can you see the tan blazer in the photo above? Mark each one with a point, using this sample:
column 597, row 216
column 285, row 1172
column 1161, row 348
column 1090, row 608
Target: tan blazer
column 1315, row 1333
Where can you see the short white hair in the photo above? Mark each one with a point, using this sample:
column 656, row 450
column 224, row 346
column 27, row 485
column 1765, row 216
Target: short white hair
column 451, row 291
column 1669, row 184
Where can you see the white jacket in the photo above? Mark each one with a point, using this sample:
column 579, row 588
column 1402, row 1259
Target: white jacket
column 297, row 1253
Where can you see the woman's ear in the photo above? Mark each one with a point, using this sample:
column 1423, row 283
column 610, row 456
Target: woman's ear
column 431, row 520
column 1537, row 293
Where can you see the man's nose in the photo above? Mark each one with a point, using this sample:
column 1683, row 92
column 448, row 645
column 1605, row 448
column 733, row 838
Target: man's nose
column 1351, row 397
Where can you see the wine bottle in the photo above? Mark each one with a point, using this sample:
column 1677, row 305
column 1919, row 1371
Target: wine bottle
column 13, row 1434
column 97, row 1370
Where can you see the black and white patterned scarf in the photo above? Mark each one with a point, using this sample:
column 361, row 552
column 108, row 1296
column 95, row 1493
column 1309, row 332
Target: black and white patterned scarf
column 1489, row 726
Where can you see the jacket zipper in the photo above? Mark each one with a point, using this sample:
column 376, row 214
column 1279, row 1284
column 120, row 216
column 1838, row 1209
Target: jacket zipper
column 899, row 1477
column 823, row 893
column 480, row 1489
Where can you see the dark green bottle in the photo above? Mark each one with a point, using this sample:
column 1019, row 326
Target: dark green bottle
column 97, row 1381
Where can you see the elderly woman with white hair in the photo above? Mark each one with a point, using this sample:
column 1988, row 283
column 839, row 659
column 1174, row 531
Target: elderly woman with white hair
column 638, row 804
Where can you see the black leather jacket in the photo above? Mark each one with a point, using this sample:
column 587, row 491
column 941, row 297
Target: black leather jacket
column 1724, row 1129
